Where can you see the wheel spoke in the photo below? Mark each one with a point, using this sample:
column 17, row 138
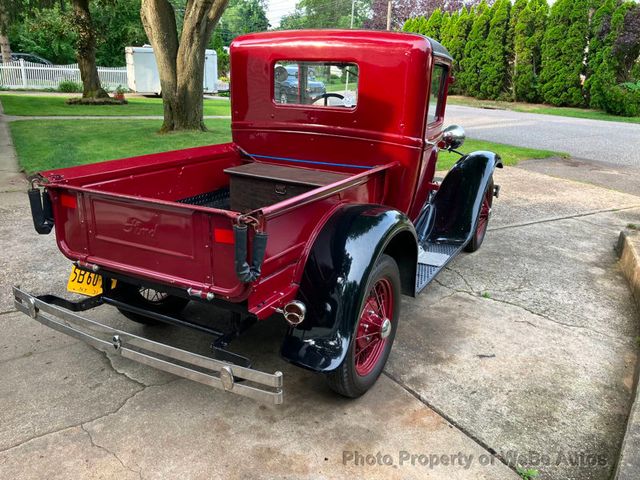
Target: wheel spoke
column 380, row 303
column 363, row 349
column 152, row 296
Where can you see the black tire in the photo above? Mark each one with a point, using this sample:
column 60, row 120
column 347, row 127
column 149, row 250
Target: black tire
column 480, row 229
column 138, row 296
column 346, row 380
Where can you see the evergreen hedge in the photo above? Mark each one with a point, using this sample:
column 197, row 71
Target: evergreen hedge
column 576, row 53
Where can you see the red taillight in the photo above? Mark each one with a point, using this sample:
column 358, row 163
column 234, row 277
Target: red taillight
column 221, row 235
column 68, row 200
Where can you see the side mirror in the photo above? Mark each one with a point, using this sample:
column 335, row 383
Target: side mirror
column 453, row 137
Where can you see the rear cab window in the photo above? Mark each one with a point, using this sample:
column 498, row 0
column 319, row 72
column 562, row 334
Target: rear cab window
column 436, row 93
column 318, row 84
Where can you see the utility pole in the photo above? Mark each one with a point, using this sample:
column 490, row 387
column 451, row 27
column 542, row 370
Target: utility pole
column 353, row 8
column 389, row 15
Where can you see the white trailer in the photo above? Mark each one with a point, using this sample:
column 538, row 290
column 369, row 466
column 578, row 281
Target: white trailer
column 142, row 70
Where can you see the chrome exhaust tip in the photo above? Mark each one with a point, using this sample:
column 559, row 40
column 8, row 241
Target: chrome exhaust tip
column 294, row 312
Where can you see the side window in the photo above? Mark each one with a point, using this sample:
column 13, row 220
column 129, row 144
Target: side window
column 435, row 93
column 319, row 84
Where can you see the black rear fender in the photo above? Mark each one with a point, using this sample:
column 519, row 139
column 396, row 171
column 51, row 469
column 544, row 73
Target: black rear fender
column 333, row 281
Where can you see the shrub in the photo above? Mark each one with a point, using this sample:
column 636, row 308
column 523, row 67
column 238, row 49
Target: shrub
column 494, row 65
column 458, row 39
column 433, row 25
column 472, row 61
column 563, row 51
column 69, row 86
column 623, row 99
column 527, row 37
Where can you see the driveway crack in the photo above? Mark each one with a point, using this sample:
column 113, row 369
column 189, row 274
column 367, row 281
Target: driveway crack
column 449, row 269
column 532, row 312
column 110, row 452
column 99, row 417
column 418, row 396
column 567, row 217
column 124, row 374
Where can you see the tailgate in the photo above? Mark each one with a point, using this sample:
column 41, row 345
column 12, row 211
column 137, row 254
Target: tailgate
column 172, row 243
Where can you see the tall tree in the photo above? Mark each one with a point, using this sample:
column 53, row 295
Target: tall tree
column 47, row 32
column 514, row 18
column 494, row 69
column 528, row 35
column 626, row 47
column 217, row 43
column 563, row 52
column 5, row 47
column 242, row 16
column 316, row 14
column 86, row 50
column 181, row 60
column 117, row 25
column 433, row 25
column 600, row 69
column 401, row 10
column 471, row 64
column 447, row 28
column 456, row 46
column 410, row 25
column 608, row 69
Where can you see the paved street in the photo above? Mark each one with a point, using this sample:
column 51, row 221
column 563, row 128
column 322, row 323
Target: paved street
column 612, row 142
column 525, row 346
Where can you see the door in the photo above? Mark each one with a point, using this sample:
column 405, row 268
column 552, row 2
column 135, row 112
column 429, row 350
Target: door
column 433, row 130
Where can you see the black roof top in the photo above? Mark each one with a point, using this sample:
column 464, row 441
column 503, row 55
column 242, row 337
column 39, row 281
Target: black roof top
column 439, row 49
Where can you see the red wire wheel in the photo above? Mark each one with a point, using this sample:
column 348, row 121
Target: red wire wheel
column 374, row 327
column 483, row 220
column 150, row 299
column 374, row 330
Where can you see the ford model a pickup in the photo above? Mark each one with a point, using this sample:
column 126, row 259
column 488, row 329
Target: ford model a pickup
column 322, row 211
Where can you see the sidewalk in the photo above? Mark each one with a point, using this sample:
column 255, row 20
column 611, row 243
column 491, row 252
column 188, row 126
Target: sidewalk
column 11, row 179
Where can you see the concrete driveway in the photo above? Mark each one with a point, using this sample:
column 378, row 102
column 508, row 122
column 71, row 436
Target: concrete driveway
column 523, row 352
column 611, row 142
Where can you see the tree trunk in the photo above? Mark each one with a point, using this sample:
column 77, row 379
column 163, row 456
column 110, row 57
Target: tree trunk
column 181, row 63
column 86, row 51
column 5, row 48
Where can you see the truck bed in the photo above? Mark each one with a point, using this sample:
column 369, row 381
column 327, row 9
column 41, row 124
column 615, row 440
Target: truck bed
column 167, row 218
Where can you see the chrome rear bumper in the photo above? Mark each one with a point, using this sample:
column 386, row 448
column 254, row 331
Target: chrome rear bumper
column 208, row 371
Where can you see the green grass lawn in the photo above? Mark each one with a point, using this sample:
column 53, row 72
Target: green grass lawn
column 510, row 154
column 539, row 108
column 29, row 105
column 46, row 144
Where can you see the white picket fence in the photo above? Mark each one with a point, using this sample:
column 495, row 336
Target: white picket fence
column 21, row 74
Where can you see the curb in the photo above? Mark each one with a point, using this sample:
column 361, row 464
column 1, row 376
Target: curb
column 628, row 249
column 628, row 467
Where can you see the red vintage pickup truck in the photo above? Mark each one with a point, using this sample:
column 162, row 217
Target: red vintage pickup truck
column 321, row 212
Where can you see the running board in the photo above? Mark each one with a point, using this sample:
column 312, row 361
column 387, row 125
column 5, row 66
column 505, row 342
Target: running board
column 432, row 258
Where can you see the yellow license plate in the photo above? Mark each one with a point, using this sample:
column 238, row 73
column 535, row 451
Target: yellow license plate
column 85, row 283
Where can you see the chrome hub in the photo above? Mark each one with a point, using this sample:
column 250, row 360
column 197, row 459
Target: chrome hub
column 385, row 328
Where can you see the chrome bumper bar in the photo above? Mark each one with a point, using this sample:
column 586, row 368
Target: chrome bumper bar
column 208, row 371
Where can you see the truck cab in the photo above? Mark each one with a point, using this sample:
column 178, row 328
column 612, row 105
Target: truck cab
column 321, row 212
